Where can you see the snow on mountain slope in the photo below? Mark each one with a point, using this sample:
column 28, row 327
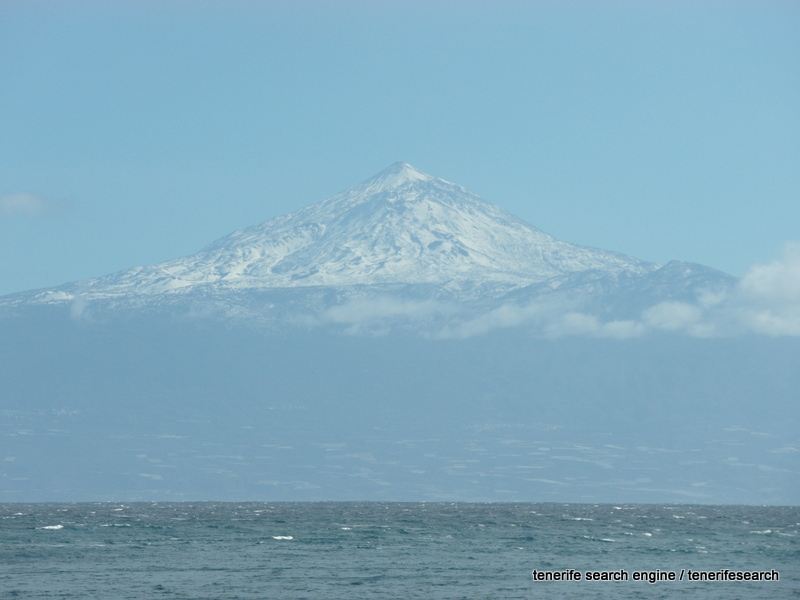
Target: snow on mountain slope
column 400, row 226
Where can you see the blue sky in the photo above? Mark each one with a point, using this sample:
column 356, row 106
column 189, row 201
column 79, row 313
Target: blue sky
column 136, row 132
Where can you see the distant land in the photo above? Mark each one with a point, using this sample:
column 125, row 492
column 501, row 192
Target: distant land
column 402, row 340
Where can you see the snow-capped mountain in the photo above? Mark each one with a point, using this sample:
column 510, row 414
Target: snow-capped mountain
column 402, row 233
column 225, row 374
column 400, row 226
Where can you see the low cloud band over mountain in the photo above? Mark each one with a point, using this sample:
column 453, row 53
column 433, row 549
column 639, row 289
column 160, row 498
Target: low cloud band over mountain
column 404, row 340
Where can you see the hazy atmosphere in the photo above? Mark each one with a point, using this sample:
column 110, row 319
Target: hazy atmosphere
column 399, row 299
column 137, row 132
column 318, row 250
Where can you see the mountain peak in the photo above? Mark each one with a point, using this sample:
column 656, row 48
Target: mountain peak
column 398, row 174
column 399, row 227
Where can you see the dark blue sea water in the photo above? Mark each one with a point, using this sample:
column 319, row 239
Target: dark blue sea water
column 216, row 551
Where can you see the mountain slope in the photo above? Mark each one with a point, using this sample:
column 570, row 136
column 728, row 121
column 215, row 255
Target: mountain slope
column 400, row 249
column 499, row 374
column 401, row 226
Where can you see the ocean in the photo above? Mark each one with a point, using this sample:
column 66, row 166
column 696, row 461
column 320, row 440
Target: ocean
column 353, row 550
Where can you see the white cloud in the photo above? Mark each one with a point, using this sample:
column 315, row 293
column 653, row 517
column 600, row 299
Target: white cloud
column 24, row 204
column 767, row 298
column 777, row 283
column 672, row 316
column 765, row 301
column 79, row 309
column 503, row 317
column 380, row 308
column 574, row 323
column 375, row 315
column 695, row 319
column 546, row 319
column 622, row 329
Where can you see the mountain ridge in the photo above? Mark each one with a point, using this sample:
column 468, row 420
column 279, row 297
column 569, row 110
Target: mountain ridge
column 462, row 386
column 401, row 233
